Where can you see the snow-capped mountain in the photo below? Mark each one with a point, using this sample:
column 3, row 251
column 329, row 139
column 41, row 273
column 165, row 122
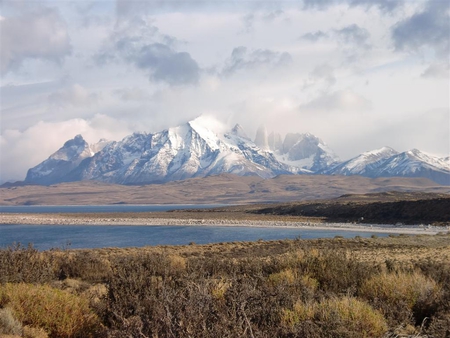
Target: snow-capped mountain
column 414, row 163
column 304, row 151
column 63, row 161
column 189, row 150
column 386, row 162
column 205, row 147
column 363, row 164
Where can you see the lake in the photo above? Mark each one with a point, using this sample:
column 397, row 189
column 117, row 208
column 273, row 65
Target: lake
column 44, row 237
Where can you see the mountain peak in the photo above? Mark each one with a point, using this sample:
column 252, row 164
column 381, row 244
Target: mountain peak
column 239, row 131
column 205, row 146
column 262, row 139
column 78, row 140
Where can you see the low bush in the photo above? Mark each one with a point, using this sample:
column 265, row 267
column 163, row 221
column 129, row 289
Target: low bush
column 26, row 264
column 8, row 324
column 336, row 317
column 402, row 296
column 59, row 313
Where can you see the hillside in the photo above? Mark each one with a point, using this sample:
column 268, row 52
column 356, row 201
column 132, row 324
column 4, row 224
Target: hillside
column 225, row 188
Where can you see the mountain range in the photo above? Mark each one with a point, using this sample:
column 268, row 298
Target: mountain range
column 205, row 147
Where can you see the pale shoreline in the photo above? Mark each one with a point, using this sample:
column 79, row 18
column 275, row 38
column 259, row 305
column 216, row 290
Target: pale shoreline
column 33, row 219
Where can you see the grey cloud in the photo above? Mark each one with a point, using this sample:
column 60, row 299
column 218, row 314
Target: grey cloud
column 322, row 74
column 248, row 20
column 383, row 5
column 318, row 4
column 343, row 100
column 354, row 34
column 131, row 94
column 241, row 58
column 273, row 15
column 138, row 42
column 437, row 70
column 40, row 34
column 165, row 64
column 353, row 40
column 75, row 95
column 314, row 36
column 428, row 28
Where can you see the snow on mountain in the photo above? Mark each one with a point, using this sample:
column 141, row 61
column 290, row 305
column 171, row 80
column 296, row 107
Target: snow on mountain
column 414, row 163
column 205, row 147
column 304, row 151
column 363, row 164
column 386, row 162
column 198, row 148
column 63, row 161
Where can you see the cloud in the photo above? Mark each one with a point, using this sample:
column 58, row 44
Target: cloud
column 313, row 37
column 321, row 75
column 131, row 94
column 318, row 4
column 40, row 34
column 25, row 149
column 353, row 34
column 242, row 59
column 349, row 35
column 75, row 95
column 440, row 70
column 167, row 65
column 385, row 6
column 342, row 100
column 428, row 28
column 139, row 42
column 248, row 21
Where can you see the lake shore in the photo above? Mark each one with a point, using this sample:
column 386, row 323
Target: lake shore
column 185, row 220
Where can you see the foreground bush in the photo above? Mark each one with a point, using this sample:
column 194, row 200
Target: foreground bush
column 26, row 264
column 336, row 317
column 8, row 324
column 402, row 296
column 310, row 289
column 59, row 313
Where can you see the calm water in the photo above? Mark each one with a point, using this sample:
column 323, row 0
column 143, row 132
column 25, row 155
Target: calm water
column 101, row 208
column 46, row 237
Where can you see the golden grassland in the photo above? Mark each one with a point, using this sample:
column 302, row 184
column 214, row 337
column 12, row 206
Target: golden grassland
column 398, row 286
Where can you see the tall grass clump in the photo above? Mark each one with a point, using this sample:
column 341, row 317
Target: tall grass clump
column 8, row 324
column 335, row 317
column 402, row 296
column 26, row 264
column 59, row 313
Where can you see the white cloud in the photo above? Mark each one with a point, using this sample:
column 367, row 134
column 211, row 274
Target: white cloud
column 343, row 100
column 39, row 34
column 21, row 150
column 75, row 95
column 144, row 66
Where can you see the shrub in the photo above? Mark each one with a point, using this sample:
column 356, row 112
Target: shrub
column 401, row 295
column 337, row 317
column 336, row 271
column 25, row 264
column 9, row 324
column 59, row 313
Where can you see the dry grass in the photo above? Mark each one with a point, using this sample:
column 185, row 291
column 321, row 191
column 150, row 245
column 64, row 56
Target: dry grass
column 290, row 288
column 337, row 317
column 59, row 313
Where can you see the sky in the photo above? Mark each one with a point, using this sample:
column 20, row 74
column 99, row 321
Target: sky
column 359, row 74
